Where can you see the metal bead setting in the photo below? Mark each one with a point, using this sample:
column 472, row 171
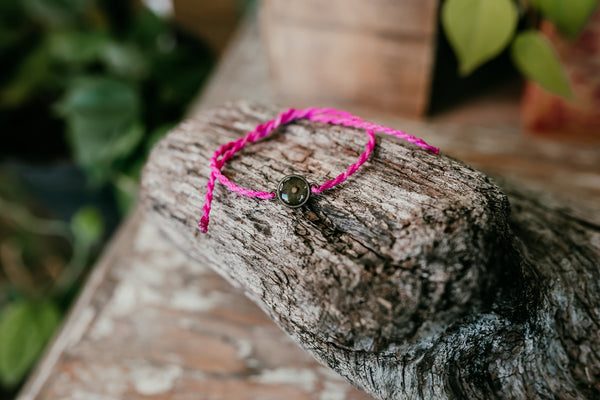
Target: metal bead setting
column 293, row 191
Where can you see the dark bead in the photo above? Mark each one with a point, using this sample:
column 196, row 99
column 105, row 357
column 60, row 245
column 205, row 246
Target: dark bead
column 293, row 191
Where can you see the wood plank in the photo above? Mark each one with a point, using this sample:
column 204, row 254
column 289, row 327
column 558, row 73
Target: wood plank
column 153, row 324
column 213, row 21
column 409, row 18
column 351, row 53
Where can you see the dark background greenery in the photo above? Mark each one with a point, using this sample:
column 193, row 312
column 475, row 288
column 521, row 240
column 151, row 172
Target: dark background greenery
column 86, row 88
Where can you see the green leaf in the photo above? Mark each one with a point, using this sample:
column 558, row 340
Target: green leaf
column 126, row 60
column 100, row 97
column 535, row 57
column 147, row 29
column 47, row 317
column 478, row 30
column 125, row 144
column 102, row 116
column 570, row 17
column 87, row 225
column 77, row 47
column 24, row 329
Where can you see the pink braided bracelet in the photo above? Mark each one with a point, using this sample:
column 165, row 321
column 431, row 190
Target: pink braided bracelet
column 294, row 191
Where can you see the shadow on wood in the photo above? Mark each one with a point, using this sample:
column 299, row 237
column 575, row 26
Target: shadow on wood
column 411, row 279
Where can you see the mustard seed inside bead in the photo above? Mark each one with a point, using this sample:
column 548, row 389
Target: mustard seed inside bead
column 293, row 191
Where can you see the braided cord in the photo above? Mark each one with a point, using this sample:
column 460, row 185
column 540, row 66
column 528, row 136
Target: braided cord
column 325, row 115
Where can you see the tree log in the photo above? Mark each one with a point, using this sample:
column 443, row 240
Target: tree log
column 418, row 277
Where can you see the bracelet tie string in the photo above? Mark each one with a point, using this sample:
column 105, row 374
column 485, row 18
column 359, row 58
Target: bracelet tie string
column 324, row 115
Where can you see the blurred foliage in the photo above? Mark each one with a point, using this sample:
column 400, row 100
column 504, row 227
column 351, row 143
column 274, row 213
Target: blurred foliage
column 535, row 57
column 96, row 82
column 24, row 329
column 116, row 75
column 570, row 17
column 42, row 260
column 479, row 30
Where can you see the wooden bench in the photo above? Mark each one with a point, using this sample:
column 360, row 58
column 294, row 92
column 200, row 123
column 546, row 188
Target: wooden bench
column 151, row 323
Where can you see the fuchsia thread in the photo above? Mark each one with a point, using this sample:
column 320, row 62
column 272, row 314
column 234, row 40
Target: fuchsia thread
column 325, row 115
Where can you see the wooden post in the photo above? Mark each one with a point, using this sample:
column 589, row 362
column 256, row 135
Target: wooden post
column 352, row 54
column 213, row 21
column 413, row 279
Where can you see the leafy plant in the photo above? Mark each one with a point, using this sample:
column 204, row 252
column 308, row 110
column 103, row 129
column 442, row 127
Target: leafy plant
column 31, row 314
column 479, row 30
column 92, row 81
column 569, row 16
column 24, row 329
column 117, row 75
column 103, row 123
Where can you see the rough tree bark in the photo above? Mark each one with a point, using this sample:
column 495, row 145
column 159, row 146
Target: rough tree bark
column 417, row 278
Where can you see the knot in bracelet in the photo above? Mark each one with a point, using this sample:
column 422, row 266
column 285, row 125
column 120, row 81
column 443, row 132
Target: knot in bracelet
column 293, row 190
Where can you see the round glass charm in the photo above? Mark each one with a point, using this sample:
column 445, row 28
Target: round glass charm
column 293, row 191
